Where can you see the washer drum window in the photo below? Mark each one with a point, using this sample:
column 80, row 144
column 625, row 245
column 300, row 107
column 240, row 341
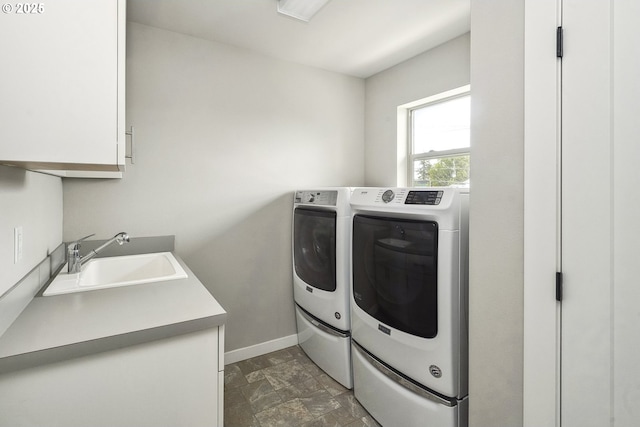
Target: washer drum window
column 314, row 247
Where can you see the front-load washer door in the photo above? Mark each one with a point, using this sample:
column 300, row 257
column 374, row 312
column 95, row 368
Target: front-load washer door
column 395, row 272
column 314, row 247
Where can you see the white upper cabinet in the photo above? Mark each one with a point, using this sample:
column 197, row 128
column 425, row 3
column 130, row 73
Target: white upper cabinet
column 62, row 86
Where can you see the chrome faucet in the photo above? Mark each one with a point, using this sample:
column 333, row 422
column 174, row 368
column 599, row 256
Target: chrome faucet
column 74, row 259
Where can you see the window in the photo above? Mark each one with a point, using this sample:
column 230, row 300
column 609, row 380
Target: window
column 438, row 140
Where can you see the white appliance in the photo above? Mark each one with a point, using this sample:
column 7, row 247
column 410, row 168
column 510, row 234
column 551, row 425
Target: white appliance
column 321, row 278
column 409, row 305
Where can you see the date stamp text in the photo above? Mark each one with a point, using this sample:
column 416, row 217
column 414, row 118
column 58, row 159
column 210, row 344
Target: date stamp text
column 23, row 8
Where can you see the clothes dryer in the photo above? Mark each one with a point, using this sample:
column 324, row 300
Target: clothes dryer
column 321, row 277
column 409, row 304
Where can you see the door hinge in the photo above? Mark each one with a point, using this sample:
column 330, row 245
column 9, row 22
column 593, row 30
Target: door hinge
column 559, row 43
column 558, row 286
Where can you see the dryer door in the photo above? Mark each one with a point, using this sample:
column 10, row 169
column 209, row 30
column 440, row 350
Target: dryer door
column 395, row 272
column 314, row 247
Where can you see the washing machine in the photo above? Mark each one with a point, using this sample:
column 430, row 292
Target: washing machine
column 321, row 278
column 409, row 305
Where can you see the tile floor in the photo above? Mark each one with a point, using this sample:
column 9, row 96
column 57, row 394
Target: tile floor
column 285, row 388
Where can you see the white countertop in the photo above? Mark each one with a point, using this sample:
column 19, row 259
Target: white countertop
column 60, row 327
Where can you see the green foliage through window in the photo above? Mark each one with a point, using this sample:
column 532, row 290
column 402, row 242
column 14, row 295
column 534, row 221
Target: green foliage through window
column 438, row 139
column 442, row 172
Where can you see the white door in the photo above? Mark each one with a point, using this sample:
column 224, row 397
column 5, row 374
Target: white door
column 582, row 206
column 600, row 332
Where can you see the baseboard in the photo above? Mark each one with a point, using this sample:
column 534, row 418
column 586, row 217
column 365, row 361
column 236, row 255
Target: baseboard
column 240, row 354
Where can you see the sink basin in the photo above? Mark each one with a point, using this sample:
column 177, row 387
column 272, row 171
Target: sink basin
column 111, row 272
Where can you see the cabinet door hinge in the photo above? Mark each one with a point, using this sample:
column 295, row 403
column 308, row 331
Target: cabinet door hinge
column 558, row 286
column 559, row 43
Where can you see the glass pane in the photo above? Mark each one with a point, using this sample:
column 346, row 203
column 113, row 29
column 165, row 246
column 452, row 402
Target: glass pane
column 441, row 172
column 395, row 272
column 314, row 247
column 442, row 126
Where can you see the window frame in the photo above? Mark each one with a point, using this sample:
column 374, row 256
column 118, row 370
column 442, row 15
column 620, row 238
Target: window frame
column 406, row 113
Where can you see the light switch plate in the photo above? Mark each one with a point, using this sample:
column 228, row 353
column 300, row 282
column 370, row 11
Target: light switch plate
column 17, row 244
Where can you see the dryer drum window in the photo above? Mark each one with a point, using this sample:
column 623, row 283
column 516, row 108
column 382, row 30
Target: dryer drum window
column 314, row 247
column 395, row 272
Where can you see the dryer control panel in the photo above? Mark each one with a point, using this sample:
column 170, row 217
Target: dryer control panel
column 320, row 197
column 409, row 197
column 420, row 197
column 406, row 198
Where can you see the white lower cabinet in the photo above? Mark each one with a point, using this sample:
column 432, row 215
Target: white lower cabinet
column 177, row 381
column 62, row 86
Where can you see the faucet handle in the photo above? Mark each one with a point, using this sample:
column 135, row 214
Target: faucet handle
column 85, row 238
column 75, row 245
column 73, row 255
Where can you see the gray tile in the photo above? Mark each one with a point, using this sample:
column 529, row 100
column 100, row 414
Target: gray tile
column 366, row 421
column 309, row 366
column 234, row 397
column 240, row 416
column 286, row 374
column 301, row 356
column 261, row 395
column 280, row 356
column 351, row 405
column 233, row 377
column 331, row 385
column 343, row 416
column 327, row 420
column 296, row 351
column 288, row 414
column 254, row 364
column 320, row 403
column 254, row 376
column 301, row 389
column 285, row 388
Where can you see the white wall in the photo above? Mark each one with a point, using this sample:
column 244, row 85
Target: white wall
column 34, row 202
column 492, row 60
column 496, row 213
column 223, row 137
column 438, row 70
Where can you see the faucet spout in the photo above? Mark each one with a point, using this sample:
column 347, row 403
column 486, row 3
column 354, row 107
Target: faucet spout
column 75, row 261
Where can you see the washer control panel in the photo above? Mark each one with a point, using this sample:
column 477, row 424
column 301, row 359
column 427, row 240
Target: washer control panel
column 321, row 197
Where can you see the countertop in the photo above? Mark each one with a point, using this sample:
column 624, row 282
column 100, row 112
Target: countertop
column 61, row 327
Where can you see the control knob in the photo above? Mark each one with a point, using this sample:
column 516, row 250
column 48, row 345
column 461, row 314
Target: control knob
column 388, row 196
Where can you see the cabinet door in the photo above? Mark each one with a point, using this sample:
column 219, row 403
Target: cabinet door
column 162, row 383
column 59, row 85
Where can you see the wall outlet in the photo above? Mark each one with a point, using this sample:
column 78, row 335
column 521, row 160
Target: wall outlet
column 17, row 244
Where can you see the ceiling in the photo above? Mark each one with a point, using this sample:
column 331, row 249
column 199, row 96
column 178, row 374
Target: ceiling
column 353, row 37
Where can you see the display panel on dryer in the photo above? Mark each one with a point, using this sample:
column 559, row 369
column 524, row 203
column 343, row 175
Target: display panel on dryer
column 424, row 198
